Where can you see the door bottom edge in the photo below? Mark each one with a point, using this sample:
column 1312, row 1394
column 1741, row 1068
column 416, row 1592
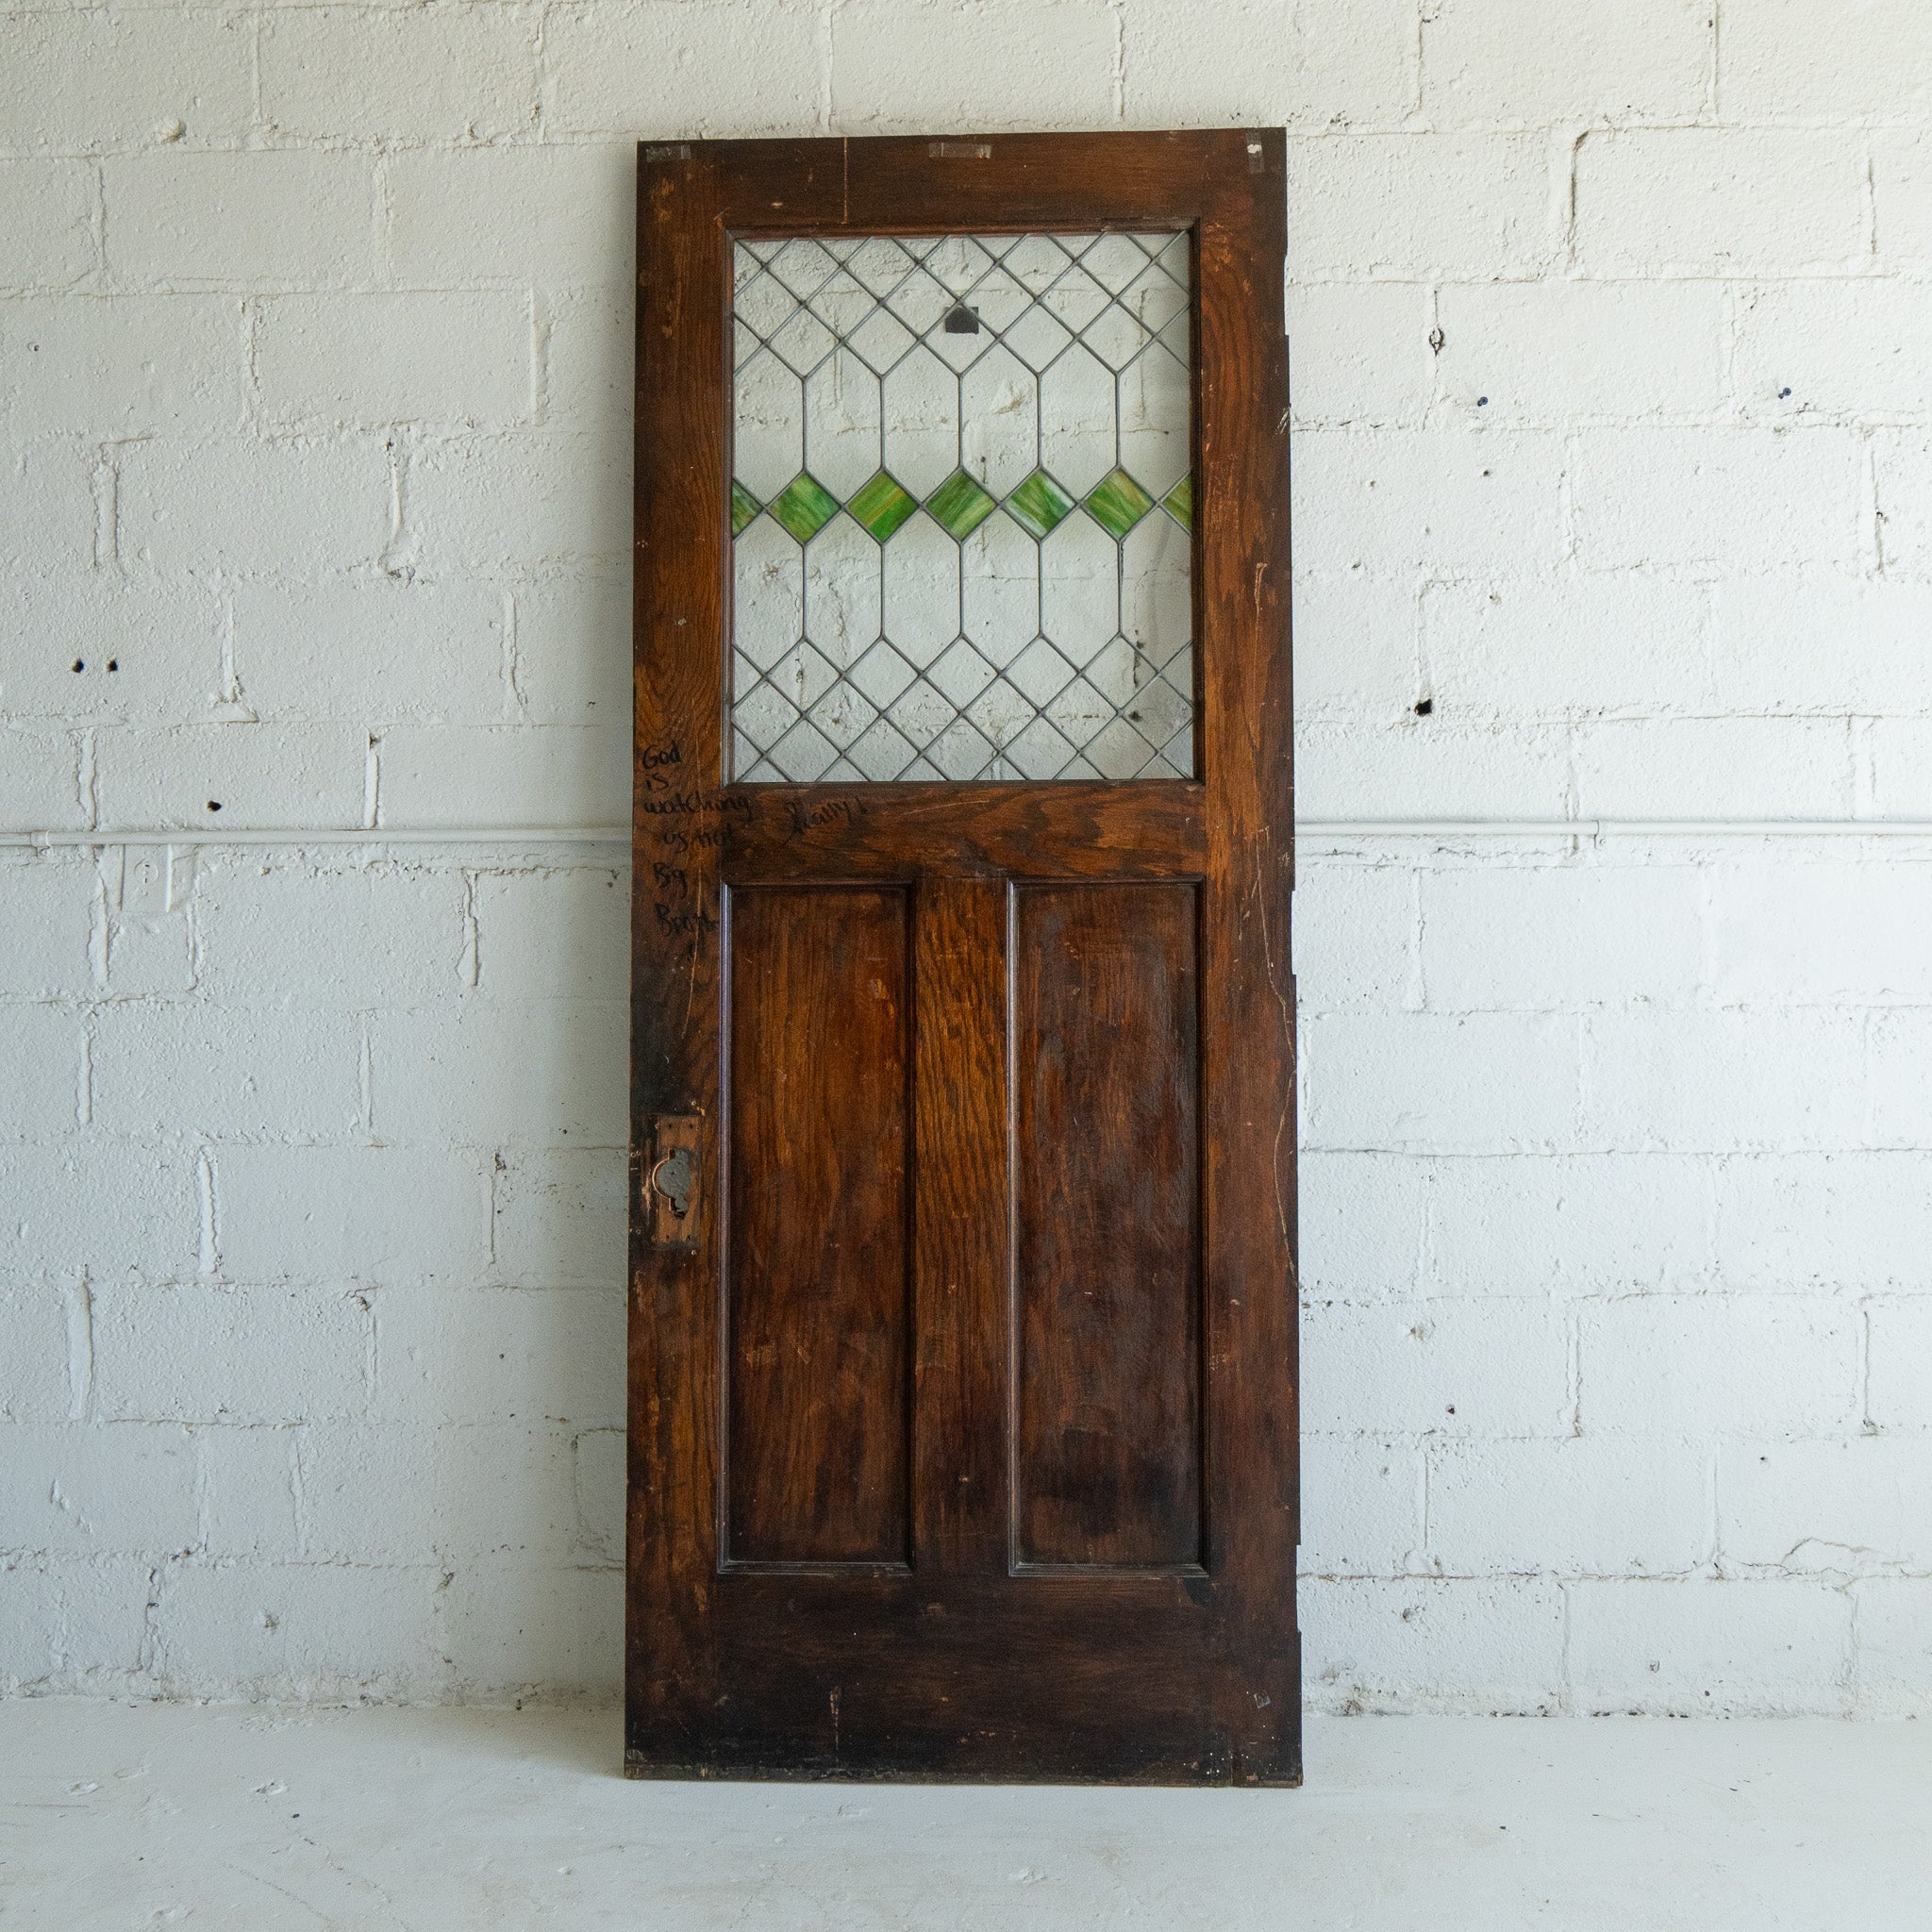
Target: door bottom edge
column 641, row 1767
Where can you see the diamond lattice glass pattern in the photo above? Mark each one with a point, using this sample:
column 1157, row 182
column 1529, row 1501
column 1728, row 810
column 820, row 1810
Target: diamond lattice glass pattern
column 961, row 509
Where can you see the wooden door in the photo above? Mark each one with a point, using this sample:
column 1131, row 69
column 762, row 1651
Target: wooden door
column 962, row 1427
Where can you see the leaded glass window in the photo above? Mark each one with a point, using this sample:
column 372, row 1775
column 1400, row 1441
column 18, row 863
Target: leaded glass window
column 961, row 509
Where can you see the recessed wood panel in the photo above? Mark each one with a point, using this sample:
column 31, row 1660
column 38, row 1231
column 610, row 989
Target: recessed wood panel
column 817, row 1274
column 1106, row 1268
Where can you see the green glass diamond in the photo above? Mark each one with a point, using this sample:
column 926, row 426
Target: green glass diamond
column 804, row 507
column 881, row 505
column 744, row 506
column 1179, row 503
column 1117, row 502
column 960, row 505
column 1039, row 504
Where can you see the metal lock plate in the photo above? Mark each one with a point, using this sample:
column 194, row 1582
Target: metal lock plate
column 677, row 1179
column 673, row 1180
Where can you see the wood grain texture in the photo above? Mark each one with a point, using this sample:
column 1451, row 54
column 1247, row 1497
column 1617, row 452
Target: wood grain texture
column 1247, row 1036
column 1107, row 1264
column 669, row 1654
column 1147, row 830
column 818, row 1253
column 966, row 1665
column 960, row 1228
column 896, row 184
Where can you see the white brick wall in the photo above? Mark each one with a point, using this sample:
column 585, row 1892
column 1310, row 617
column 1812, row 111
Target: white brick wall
column 1614, row 443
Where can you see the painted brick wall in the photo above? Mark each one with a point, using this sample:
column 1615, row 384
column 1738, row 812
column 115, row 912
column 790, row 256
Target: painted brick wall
column 1613, row 397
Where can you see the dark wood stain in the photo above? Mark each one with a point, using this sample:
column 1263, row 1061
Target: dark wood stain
column 1135, row 830
column 960, row 1228
column 1107, row 1273
column 818, row 1261
column 819, row 1583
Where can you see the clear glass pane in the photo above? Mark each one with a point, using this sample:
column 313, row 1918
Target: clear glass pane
column 961, row 509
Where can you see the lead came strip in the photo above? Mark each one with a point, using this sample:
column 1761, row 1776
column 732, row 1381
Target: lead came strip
column 962, row 509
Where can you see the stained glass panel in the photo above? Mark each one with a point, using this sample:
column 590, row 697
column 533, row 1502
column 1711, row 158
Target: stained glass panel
column 961, row 509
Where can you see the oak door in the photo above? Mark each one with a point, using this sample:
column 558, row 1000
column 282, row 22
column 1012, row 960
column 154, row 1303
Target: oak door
column 962, row 1425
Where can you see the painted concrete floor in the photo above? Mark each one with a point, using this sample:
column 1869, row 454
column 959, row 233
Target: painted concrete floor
column 461, row 1820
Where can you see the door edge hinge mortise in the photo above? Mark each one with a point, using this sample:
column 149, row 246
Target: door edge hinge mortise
column 674, row 1178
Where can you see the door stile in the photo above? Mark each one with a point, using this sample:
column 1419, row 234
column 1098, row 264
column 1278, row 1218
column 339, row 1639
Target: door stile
column 681, row 397
column 1248, row 1033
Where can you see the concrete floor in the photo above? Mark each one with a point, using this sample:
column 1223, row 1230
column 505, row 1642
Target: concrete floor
column 161, row 1815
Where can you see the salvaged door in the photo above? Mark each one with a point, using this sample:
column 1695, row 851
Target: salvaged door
column 962, row 1414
